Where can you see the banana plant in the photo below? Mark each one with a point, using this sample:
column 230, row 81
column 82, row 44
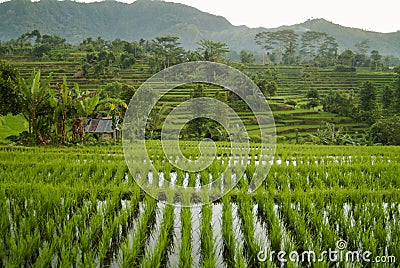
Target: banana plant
column 62, row 103
column 67, row 99
column 85, row 107
column 34, row 102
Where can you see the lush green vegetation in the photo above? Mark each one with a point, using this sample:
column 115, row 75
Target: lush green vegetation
column 81, row 206
column 11, row 126
column 304, row 98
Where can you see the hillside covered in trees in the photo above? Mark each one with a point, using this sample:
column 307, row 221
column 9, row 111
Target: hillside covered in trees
column 147, row 19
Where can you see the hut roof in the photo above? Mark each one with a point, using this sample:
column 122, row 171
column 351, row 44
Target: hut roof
column 100, row 125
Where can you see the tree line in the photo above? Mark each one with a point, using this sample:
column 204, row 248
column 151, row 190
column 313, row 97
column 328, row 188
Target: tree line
column 105, row 57
column 315, row 48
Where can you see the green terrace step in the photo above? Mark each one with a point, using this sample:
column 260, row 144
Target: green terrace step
column 297, row 112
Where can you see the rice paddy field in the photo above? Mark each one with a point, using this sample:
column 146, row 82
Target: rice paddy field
column 81, row 207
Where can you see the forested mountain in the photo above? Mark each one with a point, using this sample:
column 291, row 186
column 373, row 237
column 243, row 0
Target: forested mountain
column 150, row 18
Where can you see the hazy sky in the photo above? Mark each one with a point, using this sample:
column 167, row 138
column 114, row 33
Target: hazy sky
column 382, row 15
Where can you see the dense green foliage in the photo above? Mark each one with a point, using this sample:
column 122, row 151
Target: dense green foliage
column 385, row 131
column 11, row 126
column 47, row 111
column 9, row 89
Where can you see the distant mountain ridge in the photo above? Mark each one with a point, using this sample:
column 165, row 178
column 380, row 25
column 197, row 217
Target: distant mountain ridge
column 150, row 18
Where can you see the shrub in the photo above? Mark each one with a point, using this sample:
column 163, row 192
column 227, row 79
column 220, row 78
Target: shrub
column 342, row 68
column 386, row 131
column 291, row 103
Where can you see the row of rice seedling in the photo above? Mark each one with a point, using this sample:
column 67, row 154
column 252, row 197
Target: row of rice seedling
column 185, row 250
column 72, row 206
column 251, row 246
column 233, row 247
column 207, row 239
column 133, row 245
column 157, row 257
column 296, row 223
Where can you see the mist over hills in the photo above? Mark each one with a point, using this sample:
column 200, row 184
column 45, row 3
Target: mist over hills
column 150, row 18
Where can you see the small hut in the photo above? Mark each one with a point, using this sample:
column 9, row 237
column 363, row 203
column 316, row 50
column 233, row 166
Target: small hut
column 103, row 128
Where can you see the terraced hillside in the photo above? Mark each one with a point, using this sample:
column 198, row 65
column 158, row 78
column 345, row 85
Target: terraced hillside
column 293, row 84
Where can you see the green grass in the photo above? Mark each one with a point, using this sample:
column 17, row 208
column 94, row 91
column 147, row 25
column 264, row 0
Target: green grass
column 11, row 125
